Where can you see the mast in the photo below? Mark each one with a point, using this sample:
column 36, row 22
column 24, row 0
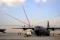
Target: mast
column 48, row 25
column 26, row 16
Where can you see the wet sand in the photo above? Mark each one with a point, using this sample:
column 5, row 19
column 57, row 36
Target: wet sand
column 15, row 36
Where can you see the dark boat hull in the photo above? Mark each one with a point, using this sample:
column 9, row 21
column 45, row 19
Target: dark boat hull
column 2, row 30
column 40, row 31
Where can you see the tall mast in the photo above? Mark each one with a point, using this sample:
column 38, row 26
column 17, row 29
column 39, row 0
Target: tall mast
column 26, row 16
column 47, row 24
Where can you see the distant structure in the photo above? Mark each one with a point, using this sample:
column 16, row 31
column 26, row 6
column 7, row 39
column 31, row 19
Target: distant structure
column 2, row 30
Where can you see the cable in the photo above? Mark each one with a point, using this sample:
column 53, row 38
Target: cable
column 16, row 19
column 26, row 15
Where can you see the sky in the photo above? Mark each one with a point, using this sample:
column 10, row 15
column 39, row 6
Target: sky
column 38, row 12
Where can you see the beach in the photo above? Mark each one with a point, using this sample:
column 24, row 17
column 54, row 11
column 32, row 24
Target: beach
column 15, row 36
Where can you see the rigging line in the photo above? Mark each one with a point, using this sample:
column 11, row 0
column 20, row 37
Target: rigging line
column 26, row 15
column 17, row 19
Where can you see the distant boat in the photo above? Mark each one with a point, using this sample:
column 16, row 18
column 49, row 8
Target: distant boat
column 2, row 30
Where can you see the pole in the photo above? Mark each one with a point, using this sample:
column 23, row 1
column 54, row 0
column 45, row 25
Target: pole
column 26, row 15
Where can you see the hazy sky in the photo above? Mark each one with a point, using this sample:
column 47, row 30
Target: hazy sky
column 36, row 11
